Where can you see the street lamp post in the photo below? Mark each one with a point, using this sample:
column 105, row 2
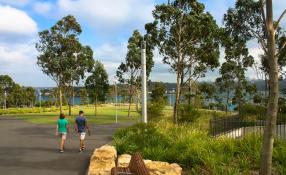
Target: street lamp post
column 115, row 86
column 143, row 77
column 5, row 100
column 40, row 98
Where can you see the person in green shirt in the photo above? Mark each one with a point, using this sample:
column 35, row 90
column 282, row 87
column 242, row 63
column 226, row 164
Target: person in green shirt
column 62, row 130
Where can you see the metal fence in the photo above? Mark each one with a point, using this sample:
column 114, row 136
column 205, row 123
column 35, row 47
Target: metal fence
column 236, row 126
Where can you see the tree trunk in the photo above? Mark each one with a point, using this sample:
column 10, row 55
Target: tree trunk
column 130, row 101
column 177, row 102
column 227, row 102
column 61, row 99
column 269, row 131
column 265, row 90
column 95, row 105
column 190, row 92
column 69, row 109
column 137, row 101
column 70, row 103
column 129, row 105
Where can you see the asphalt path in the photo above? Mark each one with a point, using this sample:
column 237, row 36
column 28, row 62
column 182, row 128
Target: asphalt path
column 32, row 149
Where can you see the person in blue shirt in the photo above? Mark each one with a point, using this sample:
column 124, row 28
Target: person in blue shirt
column 81, row 127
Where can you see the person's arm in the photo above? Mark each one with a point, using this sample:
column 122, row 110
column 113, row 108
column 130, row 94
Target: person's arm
column 68, row 127
column 86, row 125
column 57, row 130
column 75, row 126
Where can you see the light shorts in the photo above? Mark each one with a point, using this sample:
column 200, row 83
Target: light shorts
column 63, row 135
column 82, row 135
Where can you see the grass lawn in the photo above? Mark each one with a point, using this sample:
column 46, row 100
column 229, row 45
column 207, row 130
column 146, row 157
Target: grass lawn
column 105, row 114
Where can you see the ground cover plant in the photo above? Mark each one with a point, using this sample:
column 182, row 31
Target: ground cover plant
column 195, row 150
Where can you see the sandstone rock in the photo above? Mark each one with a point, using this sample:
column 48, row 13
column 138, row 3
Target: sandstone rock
column 163, row 168
column 123, row 160
column 155, row 167
column 102, row 160
column 147, row 161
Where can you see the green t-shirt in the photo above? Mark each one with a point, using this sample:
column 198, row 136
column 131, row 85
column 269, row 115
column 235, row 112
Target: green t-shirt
column 62, row 125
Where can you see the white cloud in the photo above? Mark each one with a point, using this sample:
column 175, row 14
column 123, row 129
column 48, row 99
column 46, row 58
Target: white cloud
column 109, row 10
column 15, row 2
column 15, row 22
column 43, row 8
column 104, row 15
column 112, row 53
column 17, row 47
column 111, row 56
column 19, row 62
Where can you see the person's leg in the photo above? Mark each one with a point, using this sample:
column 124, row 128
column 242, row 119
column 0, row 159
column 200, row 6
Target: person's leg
column 82, row 139
column 63, row 142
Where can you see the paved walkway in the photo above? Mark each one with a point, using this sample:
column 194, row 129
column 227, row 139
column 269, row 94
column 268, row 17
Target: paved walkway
column 28, row 149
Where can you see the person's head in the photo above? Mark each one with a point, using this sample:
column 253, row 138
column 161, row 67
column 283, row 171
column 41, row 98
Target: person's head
column 81, row 113
column 62, row 116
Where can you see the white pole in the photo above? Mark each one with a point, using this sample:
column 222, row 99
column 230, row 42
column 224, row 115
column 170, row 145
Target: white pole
column 40, row 100
column 115, row 100
column 5, row 100
column 143, row 76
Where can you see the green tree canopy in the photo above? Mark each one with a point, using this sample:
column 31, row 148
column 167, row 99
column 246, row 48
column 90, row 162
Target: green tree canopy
column 97, row 82
column 129, row 71
column 187, row 38
column 61, row 55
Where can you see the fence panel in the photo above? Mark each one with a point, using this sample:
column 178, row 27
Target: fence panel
column 236, row 126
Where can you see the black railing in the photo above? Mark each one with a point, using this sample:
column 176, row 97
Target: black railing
column 236, row 126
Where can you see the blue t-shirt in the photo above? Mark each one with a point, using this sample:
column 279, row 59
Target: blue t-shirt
column 81, row 123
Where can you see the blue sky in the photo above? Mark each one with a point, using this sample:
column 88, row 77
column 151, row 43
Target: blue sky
column 106, row 26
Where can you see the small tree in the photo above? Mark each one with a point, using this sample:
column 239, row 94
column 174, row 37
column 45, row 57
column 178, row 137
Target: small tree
column 30, row 94
column 6, row 83
column 208, row 89
column 158, row 100
column 62, row 57
column 225, row 85
column 16, row 97
column 129, row 71
column 83, row 96
column 97, row 84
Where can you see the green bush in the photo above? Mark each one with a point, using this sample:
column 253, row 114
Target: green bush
column 195, row 151
column 250, row 111
column 155, row 111
column 188, row 113
column 28, row 110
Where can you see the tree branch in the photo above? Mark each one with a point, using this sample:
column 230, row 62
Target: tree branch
column 279, row 20
column 280, row 50
column 262, row 2
column 260, row 39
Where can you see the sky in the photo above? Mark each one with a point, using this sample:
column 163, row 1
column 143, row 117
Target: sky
column 106, row 25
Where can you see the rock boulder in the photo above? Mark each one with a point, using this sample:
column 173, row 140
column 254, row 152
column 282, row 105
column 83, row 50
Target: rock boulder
column 102, row 160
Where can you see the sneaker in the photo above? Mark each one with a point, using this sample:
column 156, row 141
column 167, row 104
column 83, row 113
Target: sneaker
column 80, row 150
column 83, row 148
column 61, row 151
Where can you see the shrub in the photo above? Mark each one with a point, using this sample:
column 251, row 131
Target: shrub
column 155, row 110
column 252, row 112
column 195, row 150
column 188, row 113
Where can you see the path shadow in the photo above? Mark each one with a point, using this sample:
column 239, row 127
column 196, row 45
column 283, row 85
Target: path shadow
column 71, row 160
